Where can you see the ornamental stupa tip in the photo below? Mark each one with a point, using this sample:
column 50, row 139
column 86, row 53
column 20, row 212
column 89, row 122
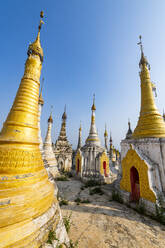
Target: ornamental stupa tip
column 110, row 137
column 93, row 108
column 35, row 47
column 79, row 138
column 105, row 133
column 129, row 132
column 143, row 60
column 50, row 119
column 64, row 116
column 80, row 128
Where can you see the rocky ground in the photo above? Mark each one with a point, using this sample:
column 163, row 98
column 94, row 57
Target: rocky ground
column 102, row 223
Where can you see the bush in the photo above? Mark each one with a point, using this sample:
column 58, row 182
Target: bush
column 78, row 200
column 67, row 222
column 116, row 197
column 160, row 211
column 63, row 202
column 85, row 201
column 62, row 178
column 59, row 246
column 73, row 245
column 91, row 183
column 51, row 237
column 140, row 208
column 96, row 190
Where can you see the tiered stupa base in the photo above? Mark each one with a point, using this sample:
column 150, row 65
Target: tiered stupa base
column 34, row 233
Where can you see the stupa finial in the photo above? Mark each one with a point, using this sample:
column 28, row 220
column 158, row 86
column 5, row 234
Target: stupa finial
column 143, row 60
column 64, row 116
column 105, row 133
column 50, row 117
column 80, row 127
column 93, row 106
column 35, row 47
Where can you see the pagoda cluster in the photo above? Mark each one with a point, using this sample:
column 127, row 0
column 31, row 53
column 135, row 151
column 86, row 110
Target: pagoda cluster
column 29, row 207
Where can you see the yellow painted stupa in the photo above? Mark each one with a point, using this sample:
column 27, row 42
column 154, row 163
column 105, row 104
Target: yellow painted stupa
column 142, row 175
column 151, row 123
column 26, row 196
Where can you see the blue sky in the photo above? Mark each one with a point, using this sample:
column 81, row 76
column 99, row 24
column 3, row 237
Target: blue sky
column 90, row 46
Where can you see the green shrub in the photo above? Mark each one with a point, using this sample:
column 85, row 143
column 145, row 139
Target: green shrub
column 78, row 200
column 51, row 237
column 140, row 208
column 69, row 174
column 91, row 183
column 96, row 190
column 59, row 246
column 63, row 202
column 73, row 245
column 67, row 222
column 160, row 211
column 85, row 201
column 62, row 178
column 116, row 197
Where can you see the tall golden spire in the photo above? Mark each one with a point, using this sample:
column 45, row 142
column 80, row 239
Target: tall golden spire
column 150, row 123
column 26, row 193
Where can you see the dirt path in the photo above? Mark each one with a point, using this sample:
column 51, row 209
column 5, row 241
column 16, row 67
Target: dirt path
column 107, row 224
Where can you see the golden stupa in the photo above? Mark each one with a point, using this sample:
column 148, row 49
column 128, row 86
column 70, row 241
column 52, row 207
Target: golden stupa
column 26, row 195
column 150, row 123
